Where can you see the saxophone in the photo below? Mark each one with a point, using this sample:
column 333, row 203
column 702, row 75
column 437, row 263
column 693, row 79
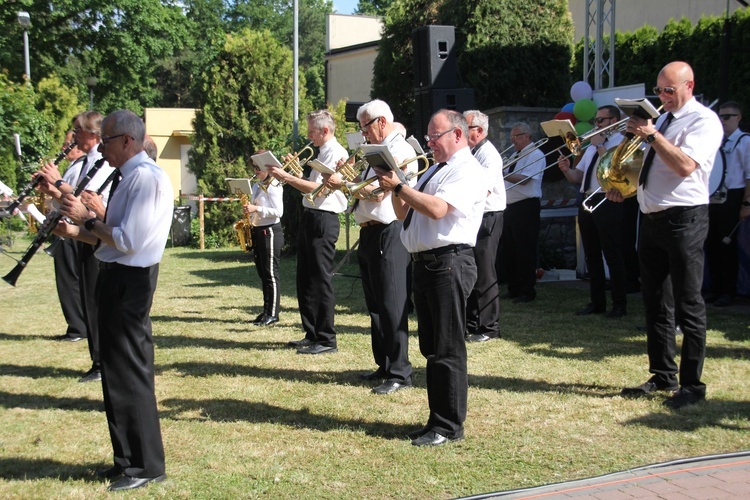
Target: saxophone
column 244, row 227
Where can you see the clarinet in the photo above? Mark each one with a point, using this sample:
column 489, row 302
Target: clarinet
column 52, row 247
column 48, row 227
column 31, row 185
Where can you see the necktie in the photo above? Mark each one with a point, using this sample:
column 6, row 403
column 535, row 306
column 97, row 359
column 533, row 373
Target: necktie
column 592, row 167
column 513, row 167
column 651, row 152
column 115, row 183
column 421, row 187
column 82, row 172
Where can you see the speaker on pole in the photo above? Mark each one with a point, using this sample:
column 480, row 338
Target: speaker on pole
column 435, row 57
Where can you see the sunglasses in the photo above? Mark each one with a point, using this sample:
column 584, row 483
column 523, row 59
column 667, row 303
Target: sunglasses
column 727, row 116
column 667, row 90
column 600, row 119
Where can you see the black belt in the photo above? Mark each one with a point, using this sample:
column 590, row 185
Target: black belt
column 319, row 210
column 110, row 266
column 487, row 214
column 437, row 252
column 671, row 211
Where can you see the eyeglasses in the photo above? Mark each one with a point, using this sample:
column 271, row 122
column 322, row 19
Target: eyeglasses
column 667, row 90
column 435, row 137
column 513, row 136
column 727, row 116
column 364, row 127
column 473, row 126
column 105, row 140
column 600, row 119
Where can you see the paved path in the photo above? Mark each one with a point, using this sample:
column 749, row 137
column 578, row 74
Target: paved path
column 702, row 478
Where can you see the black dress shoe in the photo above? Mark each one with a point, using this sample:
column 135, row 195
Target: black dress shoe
column 260, row 318
column 317, row 349
column 683, row 397
column 376, row 375
column 300, row 343
column 68, row 338
column 590, row 309
column 113, row 472
column 432, row 438
column 268, row 320
column 391, row 386
column 617, row 312
column 93, row 375
column 131, row 483
column 478, row 337
column 647, row 388
column 419, row 432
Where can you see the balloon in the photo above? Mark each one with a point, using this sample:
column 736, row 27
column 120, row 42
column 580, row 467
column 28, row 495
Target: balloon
column 568, row 107
column 582, row 128
column 581, row 90
column 584, row 110
column 564, row 115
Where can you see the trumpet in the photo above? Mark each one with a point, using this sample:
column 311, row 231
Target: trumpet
column 293, row 165
column 34, row 182
column 507, row 162
column 351, row 190
column 348, row 172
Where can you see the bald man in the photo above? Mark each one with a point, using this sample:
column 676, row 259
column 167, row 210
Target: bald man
column 673, row 196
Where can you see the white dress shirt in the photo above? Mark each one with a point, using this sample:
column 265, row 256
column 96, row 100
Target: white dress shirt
column 533, row 166
column 737, row 153
column 488, row 156
column 330, row 153
column 696, row 130
column 140, row 214
column 270, row 205
column 101, row 176
column 383, row 211
column 456, row 184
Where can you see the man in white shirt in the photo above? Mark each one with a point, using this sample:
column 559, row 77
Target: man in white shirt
column 131, row 241
column 601, row 230
column 523, row 183
column 441, row 217
column 723, row 262
column 673, row 196
column 483, row 306
column 316, row 241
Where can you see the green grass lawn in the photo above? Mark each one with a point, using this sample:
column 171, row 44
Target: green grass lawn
column 244, row 416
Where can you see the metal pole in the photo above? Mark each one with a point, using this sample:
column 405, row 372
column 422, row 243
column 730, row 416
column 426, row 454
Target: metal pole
column 26, row 54
column 295, row 55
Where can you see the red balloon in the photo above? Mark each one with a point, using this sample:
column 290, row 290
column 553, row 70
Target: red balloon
column 565, row 115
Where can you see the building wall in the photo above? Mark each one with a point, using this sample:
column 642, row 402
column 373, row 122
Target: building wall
column 350, row 75
column 171, row 128
column 345, row 31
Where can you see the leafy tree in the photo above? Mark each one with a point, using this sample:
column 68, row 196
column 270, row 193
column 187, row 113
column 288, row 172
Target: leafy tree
column 247, row 96
column 373, row 7
column 512, row 52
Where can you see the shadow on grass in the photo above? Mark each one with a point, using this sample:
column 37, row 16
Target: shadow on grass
column 28, row 469
column 524, row 385
column 232, row 410
column 41, row 402
column 711, row 413
column 37, row 371
column 23, row 337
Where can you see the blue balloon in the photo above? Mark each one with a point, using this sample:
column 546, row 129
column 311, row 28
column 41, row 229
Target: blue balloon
column 568, row 107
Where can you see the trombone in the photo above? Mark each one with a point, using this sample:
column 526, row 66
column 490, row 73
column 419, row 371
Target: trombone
column 348, row 172
column 293, row 165
column 351, row 190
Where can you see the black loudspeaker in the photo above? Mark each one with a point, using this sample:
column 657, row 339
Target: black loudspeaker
column 428, row 101
column 350, row 112
column 435, row 57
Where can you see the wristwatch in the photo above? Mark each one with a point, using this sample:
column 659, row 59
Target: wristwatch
column 398, row 189
column 58, row 183
column 89, row 224
column 651, row 138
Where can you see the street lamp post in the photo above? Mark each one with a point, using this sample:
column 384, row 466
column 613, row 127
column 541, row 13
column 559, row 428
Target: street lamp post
column 91, row 83
column 25, row 21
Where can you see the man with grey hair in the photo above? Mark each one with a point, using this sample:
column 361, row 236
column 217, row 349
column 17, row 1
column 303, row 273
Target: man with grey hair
column 383, row 260
column 483, row 306
column 523, row 184
column 130, row 242
column 316, row 240
column 441, row 217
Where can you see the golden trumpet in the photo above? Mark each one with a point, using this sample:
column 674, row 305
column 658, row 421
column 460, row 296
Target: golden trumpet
column 293, row 165
column 348, row 172
column 351, row 190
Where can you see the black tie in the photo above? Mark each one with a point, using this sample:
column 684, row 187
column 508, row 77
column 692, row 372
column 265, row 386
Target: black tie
column 513, row 167
column 115, row 183
column 82, row 173
column 592, row 167
column 421, row 187
column 651, row 152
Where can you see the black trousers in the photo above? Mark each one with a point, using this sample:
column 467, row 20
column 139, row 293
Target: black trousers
column 630, row 215
column 441, row 288
column 316, row 249
column 671, row 245
column 383, row 265
column 723, row 261
column 519, row 252
column 601, row 232
column 267, row 243
column 483, row 305
column 88, row 274
column 68, row 290
column 127, row 350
